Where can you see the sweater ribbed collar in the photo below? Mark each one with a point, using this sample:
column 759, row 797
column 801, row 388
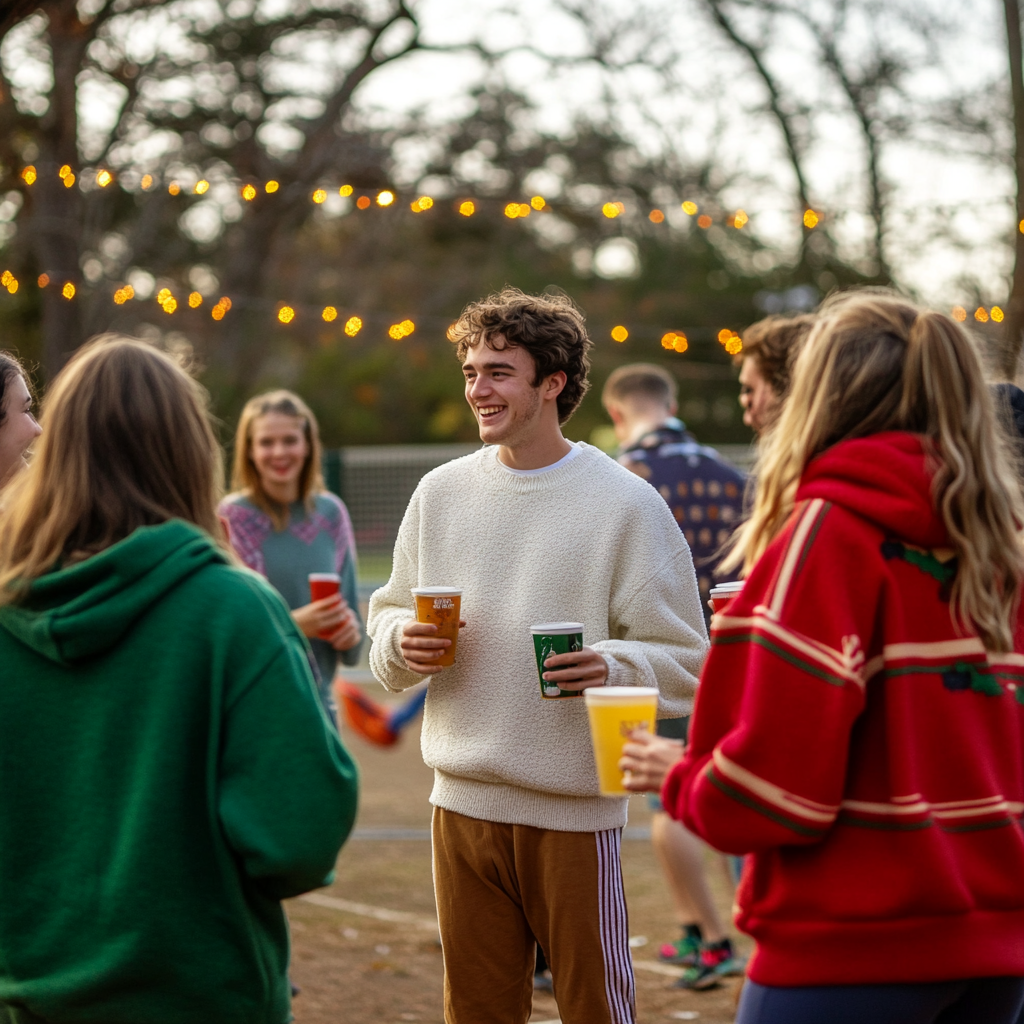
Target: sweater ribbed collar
column 512, row 483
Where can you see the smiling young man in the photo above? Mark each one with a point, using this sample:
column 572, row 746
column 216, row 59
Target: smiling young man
column 534, row 529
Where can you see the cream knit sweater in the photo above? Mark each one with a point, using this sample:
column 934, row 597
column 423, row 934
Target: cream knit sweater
column 586, row 542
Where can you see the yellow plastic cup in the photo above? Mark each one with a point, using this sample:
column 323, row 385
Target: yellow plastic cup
column 615, row 712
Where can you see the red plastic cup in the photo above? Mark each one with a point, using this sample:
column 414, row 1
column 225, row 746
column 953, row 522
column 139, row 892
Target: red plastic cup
column 722, row 594
column 321, row 585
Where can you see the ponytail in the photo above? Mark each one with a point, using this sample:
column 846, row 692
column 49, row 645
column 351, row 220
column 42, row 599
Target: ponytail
column 875, row 363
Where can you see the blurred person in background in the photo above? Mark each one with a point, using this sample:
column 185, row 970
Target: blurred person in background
column 769, row 349
column 167, row 774
column 284, row 524
column 18, row 427
column 859, row 727
column 705, row 494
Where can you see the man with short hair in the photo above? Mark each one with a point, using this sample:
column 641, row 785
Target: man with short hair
column 533, row 529
column 705, row 494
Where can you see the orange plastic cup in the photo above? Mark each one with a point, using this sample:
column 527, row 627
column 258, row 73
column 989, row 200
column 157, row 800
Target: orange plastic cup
column 321, row 585
column 440, row 606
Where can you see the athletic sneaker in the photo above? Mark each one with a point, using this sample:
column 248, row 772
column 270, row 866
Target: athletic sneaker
column 716, row 961
column 684, row 951
column 542, row 982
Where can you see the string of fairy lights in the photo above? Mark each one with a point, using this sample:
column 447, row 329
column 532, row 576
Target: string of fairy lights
column 285, row 313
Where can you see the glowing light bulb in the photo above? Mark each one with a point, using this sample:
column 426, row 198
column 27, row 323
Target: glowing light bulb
column 174, row 188
column 170, row 305
column 225, row 302
column 249, row 193
column 28, row 175
column 467, row 209
column 69, row 180
column 286, row 314
column 12, row 285
column 329, row 314
column 147, row 181
column 959, row 314
column 997, row 314
column 538, row 202
column 739, row 218
column 129, row 291
column 981, row 315
column 272, row 186
column 704, row 221
column 218, row 312
column 202, row 187
column 319, row 195
column 345, row 190
column 195, row 300
column 680, row 344
column 385, row 198
column 724, row 335
column 119, row 297
column 734, row 345
column 689, row 207
column 5, row 277
column 611, row 210
column 810, row 219
column 363, row 202
column 104, row 178
column 353, row 325
column 64, row 172
column 424, row 202
column 619, row 333
column 163, row 295
column 524, row 209
column 407, row 327
column 512, row 211
column 68, row 291
column 43, row 280
column 656, row 216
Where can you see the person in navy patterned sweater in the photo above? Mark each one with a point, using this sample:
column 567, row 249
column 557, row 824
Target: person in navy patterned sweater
column 705, row 494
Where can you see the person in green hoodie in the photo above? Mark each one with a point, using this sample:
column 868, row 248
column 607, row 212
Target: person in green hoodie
column 167, row 774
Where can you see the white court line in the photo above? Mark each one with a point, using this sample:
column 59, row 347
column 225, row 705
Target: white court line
column 363, row 910
column 656, row 968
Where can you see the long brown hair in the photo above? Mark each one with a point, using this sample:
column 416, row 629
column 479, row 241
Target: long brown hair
column 873, row 363
column 244, row 475
column 127, row 443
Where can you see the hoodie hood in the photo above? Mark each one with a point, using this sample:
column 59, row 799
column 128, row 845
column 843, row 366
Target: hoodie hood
column 885, row 479
column 83, row 611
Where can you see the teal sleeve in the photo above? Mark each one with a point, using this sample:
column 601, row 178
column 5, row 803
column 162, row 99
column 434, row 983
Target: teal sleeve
column 350, row 591
column 288, row 788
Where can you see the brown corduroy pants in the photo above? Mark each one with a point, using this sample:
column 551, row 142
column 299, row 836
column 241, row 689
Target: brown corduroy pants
column 499, row 889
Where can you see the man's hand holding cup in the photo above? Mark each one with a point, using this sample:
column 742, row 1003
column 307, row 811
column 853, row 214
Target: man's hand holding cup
column 422, row 648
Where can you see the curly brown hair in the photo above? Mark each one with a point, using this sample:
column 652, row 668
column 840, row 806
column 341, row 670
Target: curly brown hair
column 774, row 342
column 550, row 327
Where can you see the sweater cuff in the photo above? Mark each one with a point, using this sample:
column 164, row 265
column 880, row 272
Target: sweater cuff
column 618, row 673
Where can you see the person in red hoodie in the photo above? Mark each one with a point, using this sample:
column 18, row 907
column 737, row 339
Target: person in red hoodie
column 859, row 728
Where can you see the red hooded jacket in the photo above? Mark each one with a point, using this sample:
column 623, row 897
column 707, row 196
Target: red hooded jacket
column 866, row 752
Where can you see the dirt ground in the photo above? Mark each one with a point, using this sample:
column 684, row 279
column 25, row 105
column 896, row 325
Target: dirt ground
column 361, row 969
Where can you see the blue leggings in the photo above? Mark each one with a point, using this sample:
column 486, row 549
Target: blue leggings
column 974, row 1001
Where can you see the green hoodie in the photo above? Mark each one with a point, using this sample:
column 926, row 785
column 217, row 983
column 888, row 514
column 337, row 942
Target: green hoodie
column 166, row 778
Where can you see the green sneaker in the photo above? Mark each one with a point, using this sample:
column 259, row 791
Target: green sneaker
column 683, row 952
column 715, row 961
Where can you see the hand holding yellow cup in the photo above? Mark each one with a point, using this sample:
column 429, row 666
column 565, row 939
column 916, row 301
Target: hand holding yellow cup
column 615, row 712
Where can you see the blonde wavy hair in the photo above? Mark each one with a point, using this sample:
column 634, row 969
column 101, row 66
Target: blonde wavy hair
column 127, row 442
column 245, row 478
column 872, row 363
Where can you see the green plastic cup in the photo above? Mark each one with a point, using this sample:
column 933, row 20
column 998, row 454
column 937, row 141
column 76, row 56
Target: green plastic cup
column 555, row 638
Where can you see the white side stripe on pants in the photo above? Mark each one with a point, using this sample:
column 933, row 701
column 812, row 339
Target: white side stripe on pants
column 618, row 966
